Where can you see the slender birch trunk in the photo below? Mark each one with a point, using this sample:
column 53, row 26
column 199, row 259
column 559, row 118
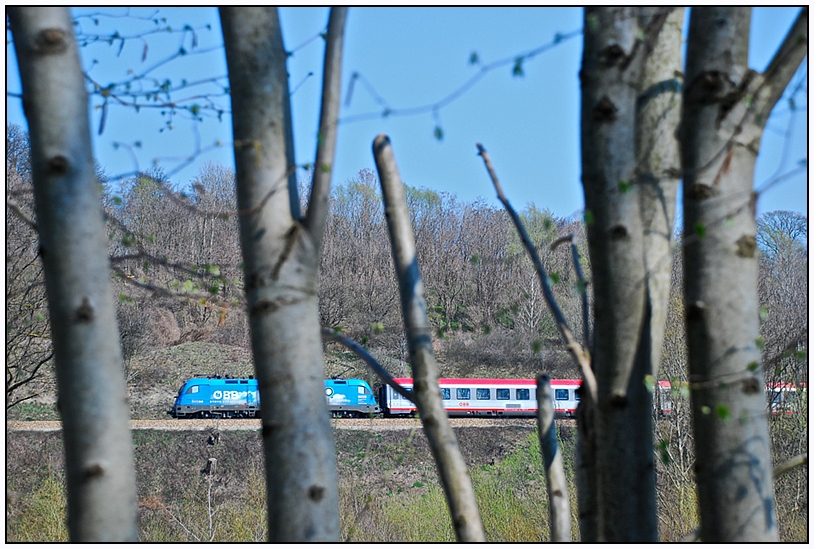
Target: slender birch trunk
column 658, row 164
column 452, row 469
column 100, row 468
column 726, row 106
column 281, row 260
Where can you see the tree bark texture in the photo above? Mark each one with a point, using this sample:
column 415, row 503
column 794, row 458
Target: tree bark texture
column 281, row 259
column 452, row 468
column 725, row 109
column 100, row 469
column 658, row 161
column 559, row 505
column 625, row 477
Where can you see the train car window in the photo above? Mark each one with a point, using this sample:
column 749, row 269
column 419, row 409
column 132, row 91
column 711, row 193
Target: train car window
column 576, row 395
column 560, row 394
column 231, row 381
column 502, row 394
column 522, row 394
column 244, row 381
column 192, row 390
column 361, row 390
column 445, row 393
column 483, row 394
column 462, row 394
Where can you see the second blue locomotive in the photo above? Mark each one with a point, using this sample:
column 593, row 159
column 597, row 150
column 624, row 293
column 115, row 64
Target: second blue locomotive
column 225, row 397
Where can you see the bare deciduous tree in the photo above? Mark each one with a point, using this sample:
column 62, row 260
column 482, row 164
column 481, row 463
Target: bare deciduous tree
column 28, row 336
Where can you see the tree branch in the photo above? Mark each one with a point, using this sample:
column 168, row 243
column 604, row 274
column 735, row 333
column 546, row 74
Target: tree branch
column 790, row 464
column 14, row 207
column 362, row 353
column 559, row 505
column 781, row 469
column 317, row 214
column 579, row 353
column 451, row 466
column 783, row 65
column 99, row 464
column 31, row 376
column 582, row 285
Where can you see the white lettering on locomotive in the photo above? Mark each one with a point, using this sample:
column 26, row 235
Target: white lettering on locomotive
column 228, row 395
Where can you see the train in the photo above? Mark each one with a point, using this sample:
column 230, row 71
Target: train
column 215, row 396
column 486, row 397
column 785, row 398
column 226, row 397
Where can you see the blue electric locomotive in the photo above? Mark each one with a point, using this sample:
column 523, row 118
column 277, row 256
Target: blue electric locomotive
column 350, row 398
column 213, row 396
column 217, row 397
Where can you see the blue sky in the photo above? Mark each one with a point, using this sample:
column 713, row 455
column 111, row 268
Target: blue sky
column 412, row 57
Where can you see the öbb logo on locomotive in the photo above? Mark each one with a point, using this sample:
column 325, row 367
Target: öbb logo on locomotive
column 228, row 395
column 214, row 396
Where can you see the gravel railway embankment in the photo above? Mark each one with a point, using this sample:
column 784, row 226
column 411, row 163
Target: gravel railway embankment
column 254, row 424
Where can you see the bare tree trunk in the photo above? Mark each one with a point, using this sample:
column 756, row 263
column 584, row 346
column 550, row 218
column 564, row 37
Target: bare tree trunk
column 658, row 164
column 426, row 392
column 726, row 106
column 559, row 505
column 625, row 478
column 281, row 258
column 585, row 461
column 92, row 402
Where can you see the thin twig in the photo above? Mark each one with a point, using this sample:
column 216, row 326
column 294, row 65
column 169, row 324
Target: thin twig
column 579, row 353
column 210, row 300
column 516, row 60
column 582, row 285
column 14, row 207
column 790, row 464
column 362, row 353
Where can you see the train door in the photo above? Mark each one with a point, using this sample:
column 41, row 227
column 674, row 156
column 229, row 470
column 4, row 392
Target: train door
column 395, row 404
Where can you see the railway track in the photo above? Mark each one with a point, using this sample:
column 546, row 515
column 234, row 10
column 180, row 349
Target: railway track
column 254, row 424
